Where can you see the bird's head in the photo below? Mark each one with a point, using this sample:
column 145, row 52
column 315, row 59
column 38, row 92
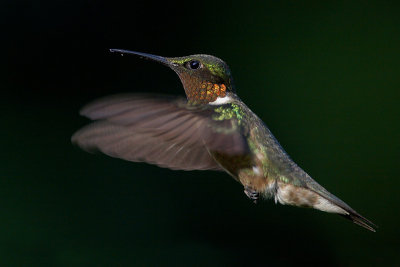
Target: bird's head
column 205, row 78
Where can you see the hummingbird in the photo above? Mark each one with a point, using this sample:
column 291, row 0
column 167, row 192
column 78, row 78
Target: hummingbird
column 209, row 129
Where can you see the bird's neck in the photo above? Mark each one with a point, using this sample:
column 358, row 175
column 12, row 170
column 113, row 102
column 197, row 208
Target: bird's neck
column 202, row 92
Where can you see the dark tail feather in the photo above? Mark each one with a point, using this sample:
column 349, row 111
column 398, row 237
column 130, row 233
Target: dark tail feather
column 360, row 220
column 351, row 214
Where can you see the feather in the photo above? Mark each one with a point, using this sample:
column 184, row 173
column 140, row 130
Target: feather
column 158, row 129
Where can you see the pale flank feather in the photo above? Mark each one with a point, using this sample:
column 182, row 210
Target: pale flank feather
column 315, row 196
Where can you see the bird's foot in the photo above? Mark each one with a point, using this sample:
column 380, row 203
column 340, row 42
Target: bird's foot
column 251, row 193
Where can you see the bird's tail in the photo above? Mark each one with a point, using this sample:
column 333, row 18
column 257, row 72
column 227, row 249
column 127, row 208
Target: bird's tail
column 348, row 213
column 360, row 220
column 315, row 196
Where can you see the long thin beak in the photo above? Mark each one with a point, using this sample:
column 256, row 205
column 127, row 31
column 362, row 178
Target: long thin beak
column 143, row 55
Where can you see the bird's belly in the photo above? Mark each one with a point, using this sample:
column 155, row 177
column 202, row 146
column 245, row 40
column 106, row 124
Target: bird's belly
column 233, row 164
column 256, row 179
column 247, row 170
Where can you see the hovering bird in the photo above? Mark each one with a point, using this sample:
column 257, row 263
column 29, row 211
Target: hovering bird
column 210, row 129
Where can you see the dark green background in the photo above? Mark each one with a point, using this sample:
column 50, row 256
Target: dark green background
column 323, row 76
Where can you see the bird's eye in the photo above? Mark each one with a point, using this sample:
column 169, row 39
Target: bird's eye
column 193, row 64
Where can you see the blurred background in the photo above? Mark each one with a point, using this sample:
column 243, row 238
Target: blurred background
column 323, row 76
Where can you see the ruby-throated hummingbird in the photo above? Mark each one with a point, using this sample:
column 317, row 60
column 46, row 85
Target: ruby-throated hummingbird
column 210, row 129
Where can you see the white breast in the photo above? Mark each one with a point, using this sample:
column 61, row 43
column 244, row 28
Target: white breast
column 221, row 100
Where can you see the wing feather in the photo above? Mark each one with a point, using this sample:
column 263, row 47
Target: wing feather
column 160, row 130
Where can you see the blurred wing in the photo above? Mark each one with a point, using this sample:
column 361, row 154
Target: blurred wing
column 161, row 130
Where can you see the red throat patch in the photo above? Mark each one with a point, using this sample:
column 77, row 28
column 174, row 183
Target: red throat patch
column 201, row 91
